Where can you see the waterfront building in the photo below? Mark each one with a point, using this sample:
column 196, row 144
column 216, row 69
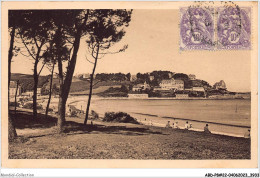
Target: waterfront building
column 182, row 96
column 198, row 89
column 140, row 87
column 220, row 85
column 172, row 84
column 137, row 96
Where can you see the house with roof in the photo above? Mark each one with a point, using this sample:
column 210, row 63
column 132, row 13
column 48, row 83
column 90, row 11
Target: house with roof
column 221, row 85
column 172, row 84
column 140, row 87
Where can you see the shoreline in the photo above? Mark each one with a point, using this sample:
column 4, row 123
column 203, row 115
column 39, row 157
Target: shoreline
column 198, row 125
column 158, row 98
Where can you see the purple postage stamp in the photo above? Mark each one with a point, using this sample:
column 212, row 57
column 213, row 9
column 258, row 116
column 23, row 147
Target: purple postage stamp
column 234, row 27
column 196, row 28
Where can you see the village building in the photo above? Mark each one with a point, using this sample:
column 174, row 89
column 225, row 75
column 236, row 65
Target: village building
column 170, row 75
column 198, row 89
column 172, row 84
column 192, row 77
column 137, row 96
column 12, row 89
column 182, row 96
column 140, row 87
column 221, row 85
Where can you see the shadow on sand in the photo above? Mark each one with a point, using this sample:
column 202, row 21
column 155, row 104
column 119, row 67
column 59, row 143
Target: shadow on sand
column 24, row 120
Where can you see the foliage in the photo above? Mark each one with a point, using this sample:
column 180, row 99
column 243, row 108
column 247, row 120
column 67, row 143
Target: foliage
column 94, row 115
column 119, row 117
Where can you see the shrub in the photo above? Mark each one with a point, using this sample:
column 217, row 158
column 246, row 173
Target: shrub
column 94, row 115
column 119, row 117
column 13, row 104
column 73, row 113
column 30, row 106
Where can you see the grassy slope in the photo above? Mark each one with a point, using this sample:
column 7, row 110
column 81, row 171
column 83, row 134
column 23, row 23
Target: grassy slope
column 119, row 141
column 78, row 86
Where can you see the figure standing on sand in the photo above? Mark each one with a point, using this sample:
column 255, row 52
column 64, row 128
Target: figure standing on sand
column 247, row 134
column 176, row 125
column 206, row 129
column 168, row 125
column 187, row 126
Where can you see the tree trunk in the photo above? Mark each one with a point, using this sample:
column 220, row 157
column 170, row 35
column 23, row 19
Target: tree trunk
column 65, row 85
column 89, row 100
column 11, row 128
column 15, row 101
column 35, row 76
column 91, row 87
column 50, row 92
column 10, row 54
column 62, row 111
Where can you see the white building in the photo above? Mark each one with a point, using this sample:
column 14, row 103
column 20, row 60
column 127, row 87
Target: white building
column 140, row 87
column 137, row 96
column 220, row 85
column 198, row 89
column 172, row 84
column 182, row 96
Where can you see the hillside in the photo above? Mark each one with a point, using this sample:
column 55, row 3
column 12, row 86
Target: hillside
column 27, row 82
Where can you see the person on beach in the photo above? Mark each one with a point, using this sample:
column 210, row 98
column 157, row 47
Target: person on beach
column 173, row 125
column 176, row 125
column 168, row 125
column 190, row 126
column 206, row 129
column 247, row 134
column 187, row 125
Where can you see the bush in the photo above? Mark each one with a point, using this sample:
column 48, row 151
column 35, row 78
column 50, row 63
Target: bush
column 94, row 115
column 13, row 104
column 30, row 106
column 119, row 117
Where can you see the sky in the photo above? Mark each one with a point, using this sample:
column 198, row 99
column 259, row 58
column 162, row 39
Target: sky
column 153, row 44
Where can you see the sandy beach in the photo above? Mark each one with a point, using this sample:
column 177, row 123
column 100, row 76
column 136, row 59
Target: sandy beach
column 236, row 126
